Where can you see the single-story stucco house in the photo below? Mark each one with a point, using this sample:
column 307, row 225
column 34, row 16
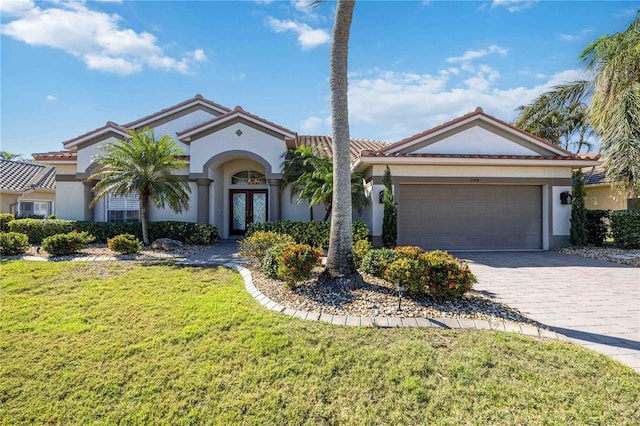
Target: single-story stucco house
column 475, row 182
column 601, row 194
column 27, row 189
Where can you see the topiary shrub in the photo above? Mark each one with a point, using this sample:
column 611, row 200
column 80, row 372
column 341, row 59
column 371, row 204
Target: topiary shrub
column 376, row 261
column 5, row 218
column 625, row 228
column 447, row 276
column 66, row 244
column 13, row 243
column 390, row 213
column 124, row 244
column 255, row 246
column 296, row 263
column 360, row 249
column 578, row 230
column 597, row 226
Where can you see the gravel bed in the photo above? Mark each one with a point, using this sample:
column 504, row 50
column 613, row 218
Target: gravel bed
column 627, row 257
column 379, row 298
column 101, row 250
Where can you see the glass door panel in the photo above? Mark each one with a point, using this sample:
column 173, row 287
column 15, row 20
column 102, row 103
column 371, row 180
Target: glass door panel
column 259, row 204
column 239, row 212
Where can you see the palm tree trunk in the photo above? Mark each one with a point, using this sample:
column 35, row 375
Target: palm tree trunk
column 340, row 265
column 144, row 209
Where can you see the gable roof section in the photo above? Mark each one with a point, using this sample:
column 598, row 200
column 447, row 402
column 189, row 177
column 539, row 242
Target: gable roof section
column 111, row 128
column 322, row 145
column 478, row 116
column 238, row 113
column 18, row 176
column 196, row 100
column 56, row 156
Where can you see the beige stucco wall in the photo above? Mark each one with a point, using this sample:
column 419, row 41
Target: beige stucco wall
column 604, row 198
column 9, row 200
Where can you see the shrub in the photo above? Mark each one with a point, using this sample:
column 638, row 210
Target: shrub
column 360, row 249
column 124, row 244
column 410, row 272
column 376, row 261
column 625, row 228
column 270, row 259
column 390, row 213
column 255, row 246
column 65, row 244
column 13, row 243
column 411, row 252
column 5, row 218
column 296, row 263
column 315, row 234
column 578, row 230
column 447, row 276
column 597, row 226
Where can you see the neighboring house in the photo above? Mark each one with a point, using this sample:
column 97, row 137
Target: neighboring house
column 27, row 189
column 601, row 194
column 473, row 183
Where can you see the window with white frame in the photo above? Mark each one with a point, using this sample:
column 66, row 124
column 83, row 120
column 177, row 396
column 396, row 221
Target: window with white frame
column 123, row 208
column 34, row 208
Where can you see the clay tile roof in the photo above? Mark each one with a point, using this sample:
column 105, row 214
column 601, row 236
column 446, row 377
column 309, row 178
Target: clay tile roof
column 483, row 156
column 595, row 175
column 322, row 145
column 237, row 110
column 21, row 176
column 55, row 156
column 197, row 97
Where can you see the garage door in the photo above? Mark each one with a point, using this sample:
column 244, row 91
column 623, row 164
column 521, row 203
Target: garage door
column 475, row 217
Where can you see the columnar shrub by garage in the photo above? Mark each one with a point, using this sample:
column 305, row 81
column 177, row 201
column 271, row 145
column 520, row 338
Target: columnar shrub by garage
column 578, row 230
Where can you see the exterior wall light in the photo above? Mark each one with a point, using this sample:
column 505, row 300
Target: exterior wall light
column 565, row 197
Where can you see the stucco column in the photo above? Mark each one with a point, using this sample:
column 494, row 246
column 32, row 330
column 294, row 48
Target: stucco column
column 89, row 212
column 274, row 199
column 203, row 199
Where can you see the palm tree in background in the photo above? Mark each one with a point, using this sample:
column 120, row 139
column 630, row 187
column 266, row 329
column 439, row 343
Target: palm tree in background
column 140, row 164
column 613, row 97
column 4, row 155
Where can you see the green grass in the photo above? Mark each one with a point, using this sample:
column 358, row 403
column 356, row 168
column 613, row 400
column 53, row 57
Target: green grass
column 121, row 342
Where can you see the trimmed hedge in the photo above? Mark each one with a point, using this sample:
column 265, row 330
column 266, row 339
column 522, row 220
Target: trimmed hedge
column 597, row 227
column 5, row 218
column 315, row 234
column 66, row 244
column 124, row 244
column 186, row 232
column 625, row 227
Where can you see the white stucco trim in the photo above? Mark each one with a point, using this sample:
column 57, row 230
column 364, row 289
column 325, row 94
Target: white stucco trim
column 170, row 112
column 186, row 137
column 99, row 132
column 390, row 160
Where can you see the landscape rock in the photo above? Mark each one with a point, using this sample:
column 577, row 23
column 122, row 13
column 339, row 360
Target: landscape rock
column 166, row 244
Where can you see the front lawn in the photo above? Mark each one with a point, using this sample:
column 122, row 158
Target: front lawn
column 124, row 342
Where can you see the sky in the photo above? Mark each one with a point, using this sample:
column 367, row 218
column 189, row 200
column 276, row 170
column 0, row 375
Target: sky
column 68, row 67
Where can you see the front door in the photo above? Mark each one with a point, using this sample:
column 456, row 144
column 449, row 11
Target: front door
column 247, row 206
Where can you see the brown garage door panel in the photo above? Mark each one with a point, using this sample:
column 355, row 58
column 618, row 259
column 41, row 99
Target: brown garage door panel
column 480, row 217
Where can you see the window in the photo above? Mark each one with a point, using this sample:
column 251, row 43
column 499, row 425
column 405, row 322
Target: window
column 34, row 208
column 248, row 177
column 123, row 209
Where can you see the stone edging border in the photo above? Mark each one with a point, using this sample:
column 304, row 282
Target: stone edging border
column 391, row 322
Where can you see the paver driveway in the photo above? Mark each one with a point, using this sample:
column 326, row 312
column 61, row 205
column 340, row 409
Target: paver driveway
column 594, row 303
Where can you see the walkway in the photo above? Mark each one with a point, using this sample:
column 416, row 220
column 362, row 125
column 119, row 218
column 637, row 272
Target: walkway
column 594, row 303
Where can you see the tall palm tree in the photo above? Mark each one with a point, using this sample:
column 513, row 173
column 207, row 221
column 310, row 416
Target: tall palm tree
column 613, row 97
column 340, row 265
column 146, row 166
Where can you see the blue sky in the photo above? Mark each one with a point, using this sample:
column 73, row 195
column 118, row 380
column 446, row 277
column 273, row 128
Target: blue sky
column 68, row 67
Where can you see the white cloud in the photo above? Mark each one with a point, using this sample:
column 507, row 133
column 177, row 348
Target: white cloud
column 469, row 55
column 574, row 37
column 238, row 77
column 308, row 37
column 513, row 5
column 95, row 37
column 401, row 104
column 51, row 98
column 15, row 7
column 312, row 125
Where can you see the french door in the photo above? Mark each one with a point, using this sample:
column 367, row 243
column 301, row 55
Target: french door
column 247, row 206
